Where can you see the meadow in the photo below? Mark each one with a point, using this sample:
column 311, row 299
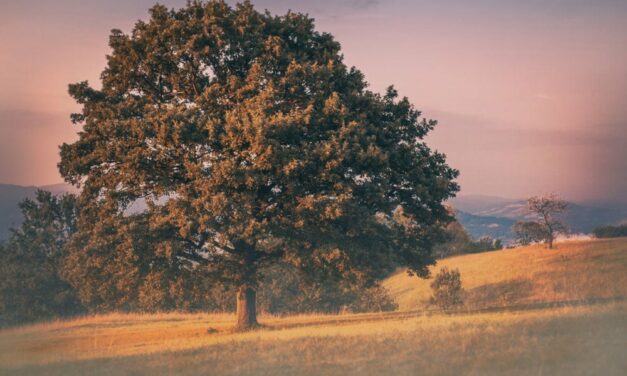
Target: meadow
column 529, row 311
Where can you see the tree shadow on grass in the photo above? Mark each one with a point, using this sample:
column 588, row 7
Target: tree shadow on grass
column 499, row 294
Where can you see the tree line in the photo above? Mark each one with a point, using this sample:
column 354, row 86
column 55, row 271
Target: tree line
column 611, row 231
column 40, row 281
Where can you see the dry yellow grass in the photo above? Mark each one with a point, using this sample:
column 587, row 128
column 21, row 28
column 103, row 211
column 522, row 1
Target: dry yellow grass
column 578, row 270
column 571, row 340
column 568, row 340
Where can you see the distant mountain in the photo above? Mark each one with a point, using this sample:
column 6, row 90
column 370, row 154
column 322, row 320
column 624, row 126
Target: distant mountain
column 479, row 214
column 11, row 195
column 482, row 205
column 478, row 226
column 59, row 189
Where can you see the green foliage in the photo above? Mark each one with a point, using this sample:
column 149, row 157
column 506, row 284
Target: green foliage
column 284, row 289
column 127, row 264
column 447, row 289
column 483, row 244
column 31, row 287
column 40, row 280
column 135, row 277
column 610, row 231
column 458, row 241
column 252, row 144
column 526, row 233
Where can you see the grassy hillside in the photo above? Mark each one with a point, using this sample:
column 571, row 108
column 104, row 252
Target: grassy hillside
column 587, row 339
column 578, row 270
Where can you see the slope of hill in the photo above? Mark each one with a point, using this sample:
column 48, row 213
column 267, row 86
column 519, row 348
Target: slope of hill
column 575, row 271
column 587, row 339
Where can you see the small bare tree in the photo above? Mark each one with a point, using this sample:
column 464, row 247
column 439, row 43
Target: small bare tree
column 547, row 207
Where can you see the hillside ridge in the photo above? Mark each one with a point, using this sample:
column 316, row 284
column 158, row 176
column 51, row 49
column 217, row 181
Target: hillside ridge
column 575, row 271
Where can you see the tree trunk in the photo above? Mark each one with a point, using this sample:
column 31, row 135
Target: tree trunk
column 551, row 241
column 246, row 308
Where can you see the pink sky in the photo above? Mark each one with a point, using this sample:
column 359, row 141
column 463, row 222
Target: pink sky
column 531, row 96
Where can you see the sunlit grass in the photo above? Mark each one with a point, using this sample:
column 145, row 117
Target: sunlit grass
column 356, row 344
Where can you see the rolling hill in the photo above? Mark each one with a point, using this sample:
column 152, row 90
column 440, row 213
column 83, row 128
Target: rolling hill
column 529, row 311
column 533, row 275
column 494, row 216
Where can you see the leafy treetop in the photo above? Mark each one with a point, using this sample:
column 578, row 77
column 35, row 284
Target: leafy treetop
column 252, row 142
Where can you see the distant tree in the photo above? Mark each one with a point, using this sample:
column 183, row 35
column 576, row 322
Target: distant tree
column 483, row 244
column 447, row 289
column 529, row 232
column 547, row 208
column 610, row 231
column 31, row 287
column 252, row 143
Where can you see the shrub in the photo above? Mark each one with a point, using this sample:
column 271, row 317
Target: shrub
column 447, row 289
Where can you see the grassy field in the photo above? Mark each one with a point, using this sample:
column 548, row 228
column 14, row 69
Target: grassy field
column 519, row 337
column 575, row 271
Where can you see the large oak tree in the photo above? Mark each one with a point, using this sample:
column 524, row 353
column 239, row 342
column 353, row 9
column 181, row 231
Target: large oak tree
column 252, row 144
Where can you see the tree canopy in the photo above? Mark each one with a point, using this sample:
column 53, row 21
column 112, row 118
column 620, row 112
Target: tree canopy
column 527, row 232
column 252, row 143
